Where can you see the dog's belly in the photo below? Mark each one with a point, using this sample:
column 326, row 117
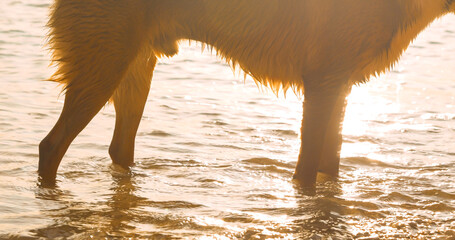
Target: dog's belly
column 290, row 43
column 284, row 45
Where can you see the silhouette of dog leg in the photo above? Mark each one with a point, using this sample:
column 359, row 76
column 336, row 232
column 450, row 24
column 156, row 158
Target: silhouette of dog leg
column 321, row 132
column 79, row 108
column 129, row 101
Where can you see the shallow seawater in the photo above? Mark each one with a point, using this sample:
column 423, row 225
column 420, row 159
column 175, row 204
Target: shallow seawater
column 215, row 155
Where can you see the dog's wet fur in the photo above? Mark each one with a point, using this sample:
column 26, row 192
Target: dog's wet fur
column 106, row 50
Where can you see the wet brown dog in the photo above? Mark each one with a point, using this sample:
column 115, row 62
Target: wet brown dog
column 107, row 49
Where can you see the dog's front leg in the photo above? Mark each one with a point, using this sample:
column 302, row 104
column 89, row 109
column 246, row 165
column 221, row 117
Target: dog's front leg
column 129, row 101
column 324, row 108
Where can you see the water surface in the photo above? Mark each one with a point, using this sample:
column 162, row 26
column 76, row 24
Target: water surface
column 215, row 155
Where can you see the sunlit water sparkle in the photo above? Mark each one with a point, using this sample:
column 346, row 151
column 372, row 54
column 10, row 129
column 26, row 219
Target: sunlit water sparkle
column 215, row 155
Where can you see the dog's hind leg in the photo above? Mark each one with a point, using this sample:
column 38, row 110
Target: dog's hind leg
column 324, row 108
column 129, row 101
column 93, row 43
column 79, row 108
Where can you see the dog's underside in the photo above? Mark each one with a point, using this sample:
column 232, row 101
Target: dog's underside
column 107, row 50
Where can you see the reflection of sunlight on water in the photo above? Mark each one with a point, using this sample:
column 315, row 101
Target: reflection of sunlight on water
column 365, row 107
column 215, row 154
column 358, row 149
column 361, row 110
